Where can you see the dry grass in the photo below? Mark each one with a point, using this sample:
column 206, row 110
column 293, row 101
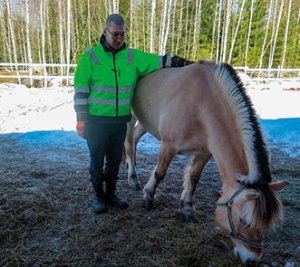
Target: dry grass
column 46, row 220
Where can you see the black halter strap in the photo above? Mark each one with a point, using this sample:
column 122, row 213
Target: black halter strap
column 234, row 233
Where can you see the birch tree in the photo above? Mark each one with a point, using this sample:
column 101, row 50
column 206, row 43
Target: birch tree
column 226, row 23
column 166, row 32
column 218, row 54
column 197, row 25
column 42, row 23
column 89, row 21
column 173, row 26
column 214, row 31
column 131, row 22
column 61, row 41
column 179, row 28
column 68, row 37
column 12, row 36
column 263, row 49
column 286, row 34
column 276, row 35
column 115, row 6
column 49, row 41
column 186, row 41
column 249, row 32
column 236, row 31
column 29, row 56
column 162, row 27
column 152, row 26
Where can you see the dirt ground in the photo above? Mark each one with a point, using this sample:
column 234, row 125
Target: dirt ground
column 46, row 217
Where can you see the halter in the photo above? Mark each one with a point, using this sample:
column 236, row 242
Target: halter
column 234, row 234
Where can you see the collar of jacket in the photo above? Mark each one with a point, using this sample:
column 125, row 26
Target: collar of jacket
column 105, row 47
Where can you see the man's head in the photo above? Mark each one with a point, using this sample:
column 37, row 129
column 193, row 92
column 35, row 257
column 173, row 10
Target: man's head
column 114, row 31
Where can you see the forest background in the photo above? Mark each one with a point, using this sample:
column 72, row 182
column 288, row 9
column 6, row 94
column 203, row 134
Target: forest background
column 254, row 33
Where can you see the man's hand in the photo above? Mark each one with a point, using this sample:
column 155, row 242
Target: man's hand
column 80, row 128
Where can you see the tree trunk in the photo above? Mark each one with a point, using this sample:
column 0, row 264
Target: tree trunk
column 61, row 38
column 173, row 26
column 152, row 27
column 286, row 34
column 214, row 32
column 162, row 26
column 143, row 21
column 249, row 32
column 266, row 36
column 68, row 38
column 166, row 32
column 236, row 32
column 218, row 53
column 49, row 35
column 89, row 21
column 276, row 34
column 12, row 36
column 179, row 37
column 131, row 23
column 115, row 6
column 186, row 30
column 226, row 23
column 42, row 23
column 197, row 25
column 29, row 56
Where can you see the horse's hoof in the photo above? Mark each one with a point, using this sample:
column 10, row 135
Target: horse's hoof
column 135, row 185
column 189, row 218
column 148, row 204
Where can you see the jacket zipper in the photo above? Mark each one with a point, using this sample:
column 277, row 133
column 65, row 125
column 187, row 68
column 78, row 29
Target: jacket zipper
column 117, row 87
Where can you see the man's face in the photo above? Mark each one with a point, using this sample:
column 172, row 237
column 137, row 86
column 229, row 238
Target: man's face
column 115, row 36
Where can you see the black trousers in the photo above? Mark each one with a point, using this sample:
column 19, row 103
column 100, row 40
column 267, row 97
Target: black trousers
column 105, row 142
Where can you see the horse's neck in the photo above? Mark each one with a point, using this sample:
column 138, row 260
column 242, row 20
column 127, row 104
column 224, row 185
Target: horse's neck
column 225, row 144
column 231, row 164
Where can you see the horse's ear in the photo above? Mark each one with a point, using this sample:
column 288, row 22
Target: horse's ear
column 279, row 185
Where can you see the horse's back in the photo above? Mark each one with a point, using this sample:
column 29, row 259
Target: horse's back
column 171, row 97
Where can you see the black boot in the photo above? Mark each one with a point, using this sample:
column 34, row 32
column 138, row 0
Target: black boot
column 99, row 204
column 111, row 198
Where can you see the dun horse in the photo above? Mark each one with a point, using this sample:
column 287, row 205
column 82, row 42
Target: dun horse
column 203, row 109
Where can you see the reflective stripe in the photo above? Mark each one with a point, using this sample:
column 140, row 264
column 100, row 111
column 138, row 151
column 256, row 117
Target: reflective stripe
column 80, row 101
column 82, row 89
column 109, row 102
column 107, row 89
column 160, row 61
column 169, row 61
column 93, row 56
column 130, row 56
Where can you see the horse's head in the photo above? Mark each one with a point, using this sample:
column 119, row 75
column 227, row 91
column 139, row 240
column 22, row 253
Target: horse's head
column 247, row 213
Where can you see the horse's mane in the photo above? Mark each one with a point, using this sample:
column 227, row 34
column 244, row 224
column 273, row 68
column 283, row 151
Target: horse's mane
column 267, row 208
column 251, row 134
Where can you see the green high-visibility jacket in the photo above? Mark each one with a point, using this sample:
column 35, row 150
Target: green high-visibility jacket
column 104, row 82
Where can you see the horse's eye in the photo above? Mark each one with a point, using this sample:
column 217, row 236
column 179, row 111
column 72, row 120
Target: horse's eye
column 243, row 222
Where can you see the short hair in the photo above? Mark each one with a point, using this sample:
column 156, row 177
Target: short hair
column 116, row 18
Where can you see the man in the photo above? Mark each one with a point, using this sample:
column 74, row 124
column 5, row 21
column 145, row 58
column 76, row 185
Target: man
column 104, row 85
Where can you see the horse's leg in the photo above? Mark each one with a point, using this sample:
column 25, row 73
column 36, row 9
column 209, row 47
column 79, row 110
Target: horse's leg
column 134, row 133
column 166, row 154
column 191, row 178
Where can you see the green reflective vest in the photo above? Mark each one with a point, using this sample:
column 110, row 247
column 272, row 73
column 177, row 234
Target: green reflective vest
column 104, row 82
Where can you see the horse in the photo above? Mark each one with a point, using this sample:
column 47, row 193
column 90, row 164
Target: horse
column 203, row 110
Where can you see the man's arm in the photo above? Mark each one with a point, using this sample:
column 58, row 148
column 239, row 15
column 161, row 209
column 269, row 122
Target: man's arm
column 175, row 61
column 82, row 90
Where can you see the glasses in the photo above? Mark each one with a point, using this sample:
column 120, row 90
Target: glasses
column 115, row 36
